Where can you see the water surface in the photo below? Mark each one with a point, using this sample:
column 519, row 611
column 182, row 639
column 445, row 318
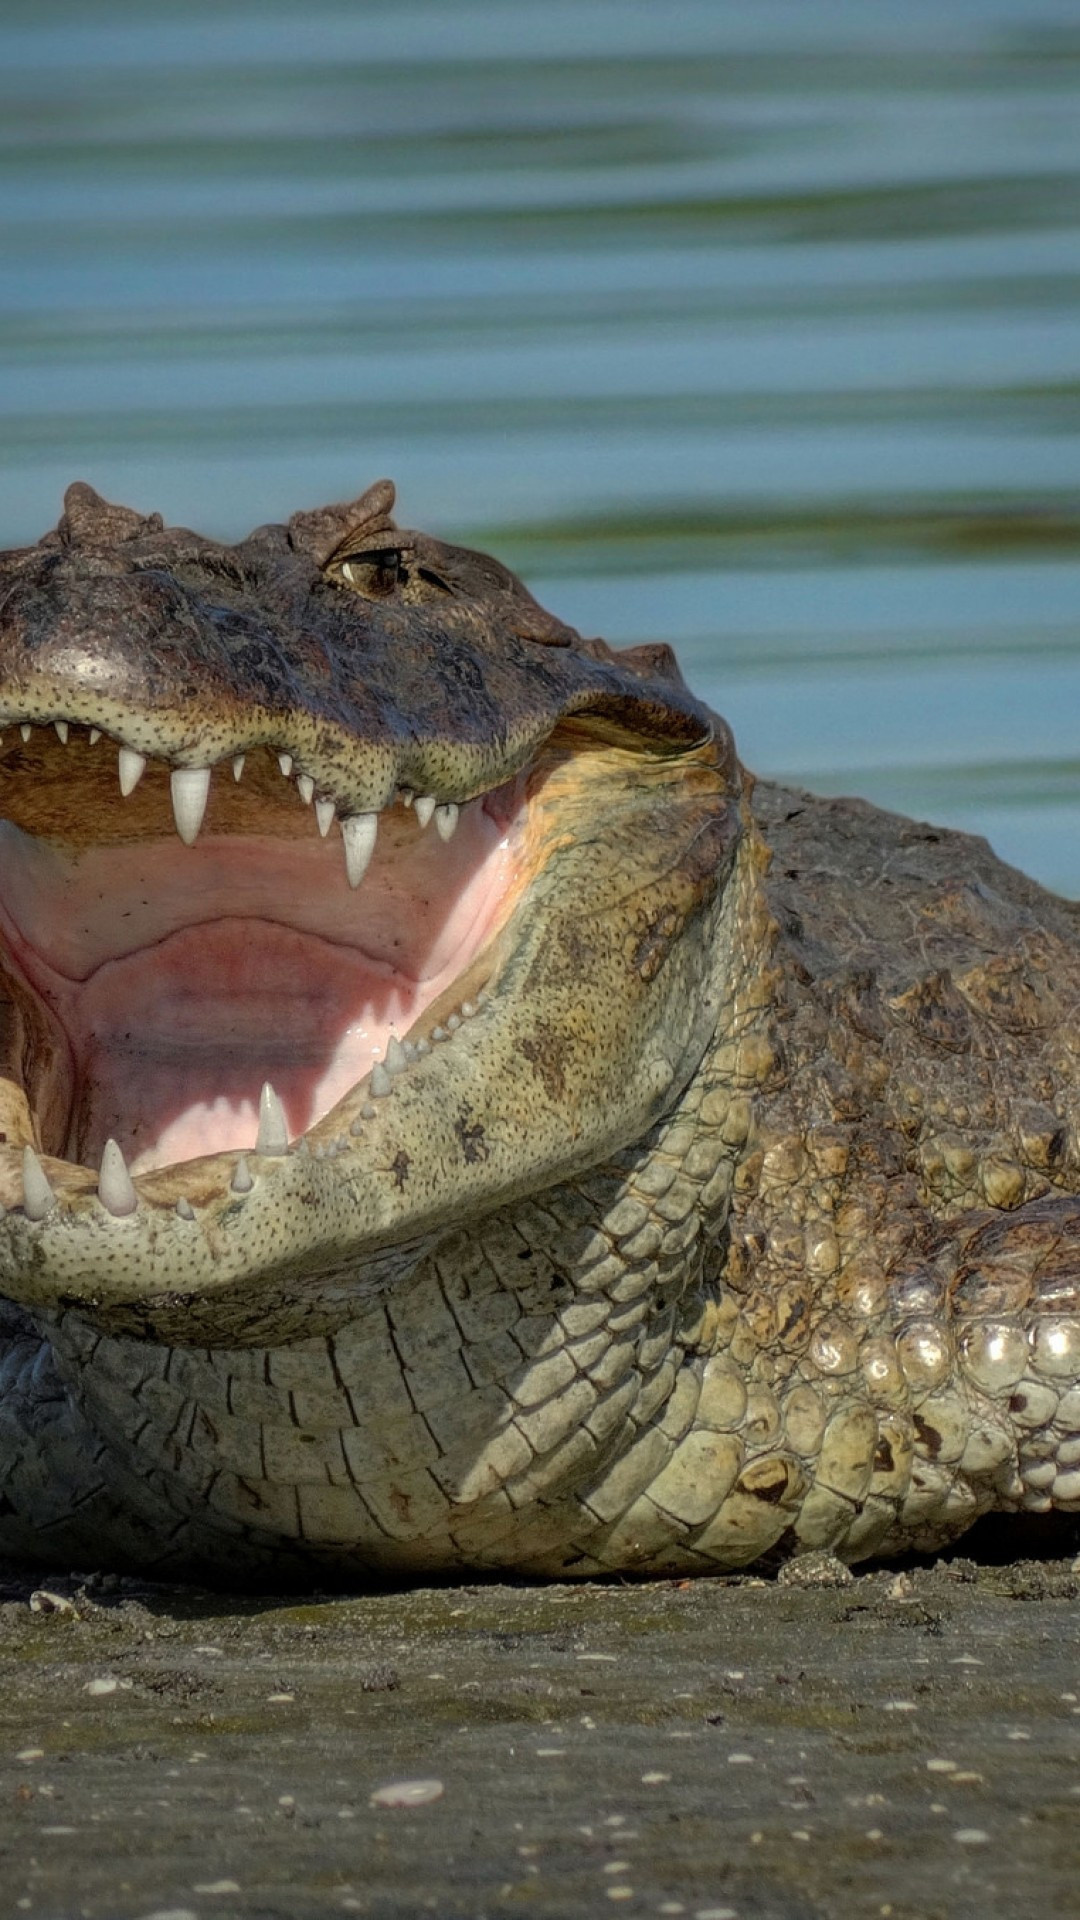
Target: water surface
column 755, row 329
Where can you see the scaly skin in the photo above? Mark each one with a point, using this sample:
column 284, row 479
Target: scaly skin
column 741, row 1218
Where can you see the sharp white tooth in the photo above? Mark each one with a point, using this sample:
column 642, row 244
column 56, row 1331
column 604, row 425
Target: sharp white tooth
column 38, row 1196
column 190, row 791
column 95, row 736
column 26, row 729
column 115, row 1190
column 395, row 1059
column 306, row 787
column 380, row 1082
column 184, row 1208
column 324, row 814
column 446, row 819
column 358, row 833
column 406, row 796
column 132, row 766
column 284, row 761
column 238, row 765
column 425, row 807
column 242, row 1181
column 273, row 1134
column 61, row 730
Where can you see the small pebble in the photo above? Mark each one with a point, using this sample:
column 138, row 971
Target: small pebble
column 107, row 1683
column 654, row 1780
column 971, row 1837
column 216, row 1886
column 407, row 1793
column 43, row 1600
column 817, row 1569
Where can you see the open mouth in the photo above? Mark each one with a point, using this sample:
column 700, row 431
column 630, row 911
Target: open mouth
column 191, row 936
column 277, row 821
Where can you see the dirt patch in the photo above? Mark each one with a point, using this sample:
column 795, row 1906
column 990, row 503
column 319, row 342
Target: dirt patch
column 904, row 1745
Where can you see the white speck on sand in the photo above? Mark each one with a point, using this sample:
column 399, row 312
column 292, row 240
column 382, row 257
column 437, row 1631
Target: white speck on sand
column 407, row 1793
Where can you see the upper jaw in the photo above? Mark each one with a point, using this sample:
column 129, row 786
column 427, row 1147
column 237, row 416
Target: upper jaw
column 189, row 654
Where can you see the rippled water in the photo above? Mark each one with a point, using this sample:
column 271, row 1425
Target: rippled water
column 750, row 327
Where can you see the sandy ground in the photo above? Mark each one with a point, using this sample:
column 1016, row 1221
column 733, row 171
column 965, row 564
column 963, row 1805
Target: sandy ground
column 904, row 1745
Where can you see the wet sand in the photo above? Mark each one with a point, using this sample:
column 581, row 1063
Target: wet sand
column 904, row 1745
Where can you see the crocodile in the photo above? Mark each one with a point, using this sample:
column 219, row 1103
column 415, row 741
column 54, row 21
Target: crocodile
column 454, row 1119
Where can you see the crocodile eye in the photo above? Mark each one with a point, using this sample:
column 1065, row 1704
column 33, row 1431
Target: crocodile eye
column 376, row 574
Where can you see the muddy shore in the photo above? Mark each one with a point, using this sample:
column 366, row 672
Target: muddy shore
column 903, row 1745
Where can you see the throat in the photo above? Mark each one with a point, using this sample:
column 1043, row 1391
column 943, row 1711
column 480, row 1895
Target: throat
column 172, row 1046
column 182, row 979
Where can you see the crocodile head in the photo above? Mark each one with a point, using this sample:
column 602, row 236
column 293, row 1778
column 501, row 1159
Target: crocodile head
column 345, row 894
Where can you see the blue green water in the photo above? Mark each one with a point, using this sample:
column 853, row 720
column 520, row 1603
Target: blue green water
column 751, row 327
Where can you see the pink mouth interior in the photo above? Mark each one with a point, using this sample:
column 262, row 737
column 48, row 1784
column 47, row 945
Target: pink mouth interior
column 184, row 977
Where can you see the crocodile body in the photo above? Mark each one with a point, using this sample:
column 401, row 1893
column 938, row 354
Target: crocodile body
column 693, row 1179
